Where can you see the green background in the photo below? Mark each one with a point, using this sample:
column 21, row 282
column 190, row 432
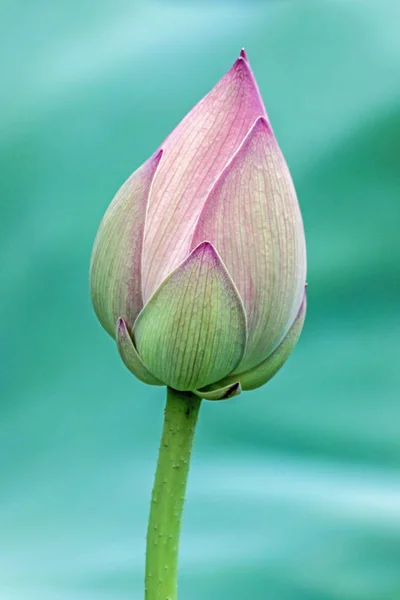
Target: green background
column 294, row 492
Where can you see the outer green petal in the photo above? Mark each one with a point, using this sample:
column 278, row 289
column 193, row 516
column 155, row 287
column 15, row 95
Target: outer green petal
column 192, row 331
column 115, row 271
column 224, row 393
column 253, row 219
column 261, row 374
column 130, row 357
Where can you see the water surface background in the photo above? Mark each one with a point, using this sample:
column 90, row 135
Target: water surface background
column 294, row 492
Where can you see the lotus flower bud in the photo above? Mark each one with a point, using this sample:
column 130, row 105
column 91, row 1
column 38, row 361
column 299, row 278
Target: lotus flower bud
column 198, row 268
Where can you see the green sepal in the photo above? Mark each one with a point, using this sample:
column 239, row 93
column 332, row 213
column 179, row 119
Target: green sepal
column 115, row 270
column 193, row 331
column 130, row 356
column 224, row 393
column 262, row 373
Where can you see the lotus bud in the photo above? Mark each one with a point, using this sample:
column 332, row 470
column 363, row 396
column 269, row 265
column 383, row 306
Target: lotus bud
column 198, row 268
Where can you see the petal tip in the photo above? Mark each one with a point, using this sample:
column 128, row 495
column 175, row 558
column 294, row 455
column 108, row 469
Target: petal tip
column 121, row 325
column 303, row 303
column 122, row 328
column 261, row 124
column 261, row 127
column 224, row 393
column 243, row 68
column 208, row 252
column 157, row 156
column 242, row 71
column 130, row 356
column 206, row 247
column 241, row 65
column 234, row 390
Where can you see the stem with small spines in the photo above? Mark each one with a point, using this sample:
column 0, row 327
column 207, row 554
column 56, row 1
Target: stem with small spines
column 181, row 413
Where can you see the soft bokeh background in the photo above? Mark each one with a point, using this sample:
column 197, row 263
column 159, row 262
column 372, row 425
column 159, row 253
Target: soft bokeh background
column 294, row 492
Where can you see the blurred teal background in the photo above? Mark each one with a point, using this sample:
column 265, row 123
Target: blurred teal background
column 294, row 491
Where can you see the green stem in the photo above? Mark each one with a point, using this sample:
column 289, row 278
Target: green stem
column 168, row 496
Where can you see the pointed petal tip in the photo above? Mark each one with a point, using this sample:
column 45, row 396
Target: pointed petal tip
column 122, row 327
column 234, row 390
column 203, row 245
column 157, row 156
column 262, row 127
column 207, row 248
column 224, row 393
column 303, row 303
column 242, row 67
column 261, row 124
column 241, row 64
column 210, row 253
column 242, row 71
column 130, row 356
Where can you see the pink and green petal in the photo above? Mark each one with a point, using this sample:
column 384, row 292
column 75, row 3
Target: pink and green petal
column 262, row 373
column 194, row 154
column 130, row 357
column 253, row 219
column 115, row 272
column 224, row 393
column 192, row 331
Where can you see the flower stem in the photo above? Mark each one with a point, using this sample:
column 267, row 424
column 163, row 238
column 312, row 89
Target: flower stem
column 168, row 496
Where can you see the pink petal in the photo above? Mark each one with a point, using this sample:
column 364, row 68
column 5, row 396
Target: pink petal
column 194, row 155
column 253, row 219
column 115, row 272
column 264, row 371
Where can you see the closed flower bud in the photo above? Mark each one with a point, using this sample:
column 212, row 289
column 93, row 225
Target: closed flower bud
column 199, row 265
